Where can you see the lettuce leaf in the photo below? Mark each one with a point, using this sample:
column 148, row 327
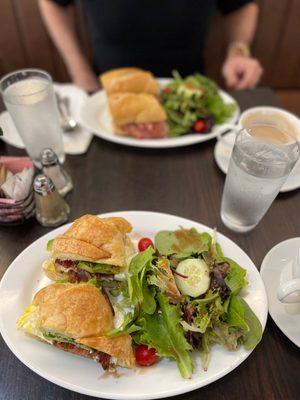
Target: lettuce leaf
column 148, row 303
column 183, row 242
column 127, row 326
column 59, row 337
column 140, row 295
column 206, row 238
column 241, row 316
column 164, row 332
column 141, row 260
column 163, row 278
column 49, row 245
column 236, row 278
column 99, row 268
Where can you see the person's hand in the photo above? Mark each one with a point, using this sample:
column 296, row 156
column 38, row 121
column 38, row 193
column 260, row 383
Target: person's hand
column 87, row 81
column 241, row 72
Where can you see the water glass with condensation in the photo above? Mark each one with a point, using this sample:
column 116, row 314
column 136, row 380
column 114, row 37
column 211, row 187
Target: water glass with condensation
column 258, row 168
column 29, row 98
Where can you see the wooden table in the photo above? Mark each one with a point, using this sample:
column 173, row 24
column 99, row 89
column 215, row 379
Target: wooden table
column 184, row 182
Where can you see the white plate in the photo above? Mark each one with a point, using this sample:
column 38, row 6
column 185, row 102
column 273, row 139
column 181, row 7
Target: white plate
column 285, row 316
column 96, row 117
column 76, row 142
column 24, row 278
column 222, row 153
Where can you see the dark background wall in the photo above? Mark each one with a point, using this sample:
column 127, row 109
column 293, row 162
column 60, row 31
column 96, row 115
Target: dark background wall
column 24, row 42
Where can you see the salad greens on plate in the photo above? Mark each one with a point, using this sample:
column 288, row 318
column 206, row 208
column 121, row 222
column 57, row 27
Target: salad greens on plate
column 194, row 104
column 182, row 296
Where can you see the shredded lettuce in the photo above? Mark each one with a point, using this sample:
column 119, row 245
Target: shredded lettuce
column 99, row 268
column 59, row 337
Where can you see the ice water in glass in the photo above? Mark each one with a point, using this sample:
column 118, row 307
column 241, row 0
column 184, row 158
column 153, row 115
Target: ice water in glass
column 258, row 168
column 30, row 99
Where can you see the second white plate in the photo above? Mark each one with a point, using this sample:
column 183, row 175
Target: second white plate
column 96, row 117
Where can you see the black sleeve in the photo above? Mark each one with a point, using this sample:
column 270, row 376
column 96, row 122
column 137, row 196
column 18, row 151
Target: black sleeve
column 227, row 6
column 63, row 3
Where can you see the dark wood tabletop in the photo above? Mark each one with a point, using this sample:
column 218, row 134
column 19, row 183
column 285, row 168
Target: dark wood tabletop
column 185, row 182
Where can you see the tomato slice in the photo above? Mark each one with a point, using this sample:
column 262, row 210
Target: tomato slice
column 144, row 243
column 200, row 126
column 166, row 90
column 145, row 356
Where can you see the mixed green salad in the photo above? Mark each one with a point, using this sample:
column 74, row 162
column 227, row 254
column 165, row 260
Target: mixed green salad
column 194, row 104
column 182, row 295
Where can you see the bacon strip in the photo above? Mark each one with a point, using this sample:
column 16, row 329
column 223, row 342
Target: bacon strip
column 150, row 130
column 102, row 358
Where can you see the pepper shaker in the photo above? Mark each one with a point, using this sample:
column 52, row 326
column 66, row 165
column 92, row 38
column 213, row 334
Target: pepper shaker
column 51, row 208
column 52, row 168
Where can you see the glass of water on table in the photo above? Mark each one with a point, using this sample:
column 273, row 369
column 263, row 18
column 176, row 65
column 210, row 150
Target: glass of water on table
column 262, row 158
column 30, row 100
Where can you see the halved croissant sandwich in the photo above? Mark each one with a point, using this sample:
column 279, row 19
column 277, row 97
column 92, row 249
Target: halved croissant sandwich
column 138, row 115
column 76, row 318
column 129, row 79
column 92, row 247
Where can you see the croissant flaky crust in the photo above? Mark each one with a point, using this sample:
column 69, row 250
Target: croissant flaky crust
column 119, row 347
column 75, row 311
column 131, row 108
column 129, row 79
column 94, row 239
column 83, row 313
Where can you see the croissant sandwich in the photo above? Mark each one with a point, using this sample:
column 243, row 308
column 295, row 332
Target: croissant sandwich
column 138, row 115
column 92, row 247
column 76, row 318
column 129, row 79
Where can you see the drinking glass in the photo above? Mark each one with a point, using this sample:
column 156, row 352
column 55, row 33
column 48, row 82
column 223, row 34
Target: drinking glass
column 29, row 97
column 258, row 168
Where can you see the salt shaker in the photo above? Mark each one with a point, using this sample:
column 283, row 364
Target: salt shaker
column 51, row 208
column 51, row 167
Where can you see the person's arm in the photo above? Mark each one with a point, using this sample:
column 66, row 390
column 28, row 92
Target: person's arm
column 62, row 32
column 240, row 70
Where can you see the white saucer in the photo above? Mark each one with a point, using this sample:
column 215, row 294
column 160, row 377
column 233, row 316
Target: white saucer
column 222, row 153
column 285, row 316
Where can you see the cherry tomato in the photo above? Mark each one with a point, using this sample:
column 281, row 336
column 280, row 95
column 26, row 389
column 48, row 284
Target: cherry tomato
column 144, row 243
column 200, row 126
column 166, row 90
column 145, row 356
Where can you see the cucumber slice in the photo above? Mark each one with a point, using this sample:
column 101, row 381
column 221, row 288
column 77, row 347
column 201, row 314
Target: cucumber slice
column 197, row 279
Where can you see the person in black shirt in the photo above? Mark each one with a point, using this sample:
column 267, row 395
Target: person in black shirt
column 157, row 35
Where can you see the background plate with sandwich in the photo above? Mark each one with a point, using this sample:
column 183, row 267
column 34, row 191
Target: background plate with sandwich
column 132, row 110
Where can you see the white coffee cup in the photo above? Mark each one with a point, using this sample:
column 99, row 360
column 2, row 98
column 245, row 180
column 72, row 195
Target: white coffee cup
column 289, row 286
column 263, row 115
